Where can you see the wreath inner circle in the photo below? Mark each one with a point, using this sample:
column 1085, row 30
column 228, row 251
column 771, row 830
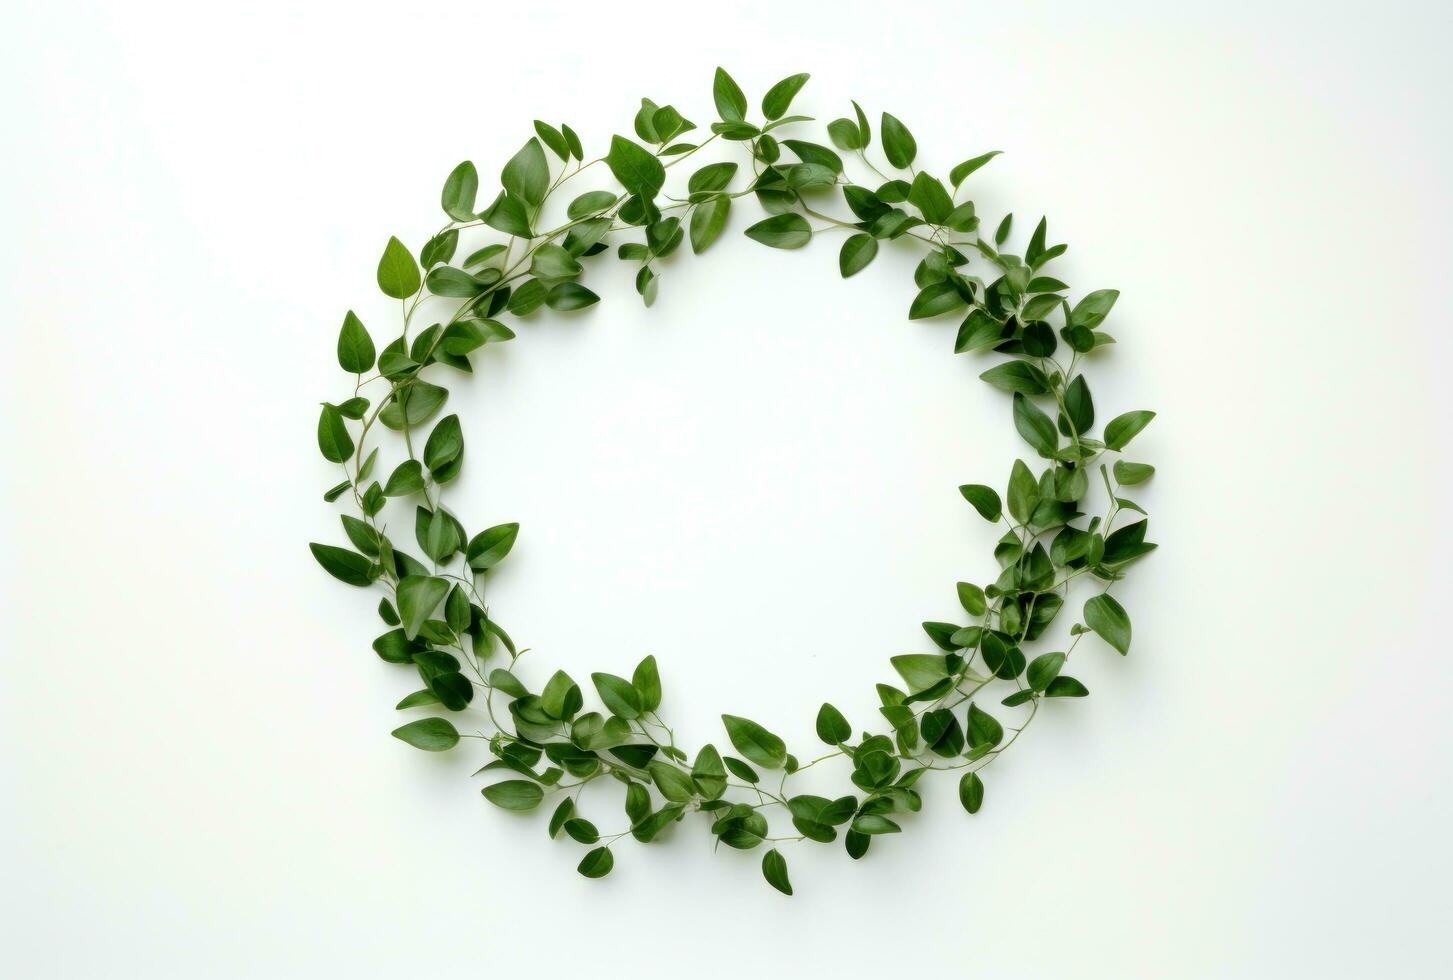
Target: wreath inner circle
column 1062, row 518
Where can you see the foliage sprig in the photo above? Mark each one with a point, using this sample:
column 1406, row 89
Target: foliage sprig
column 941, row 714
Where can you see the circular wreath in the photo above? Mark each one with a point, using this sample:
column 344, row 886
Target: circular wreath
column 544, row 740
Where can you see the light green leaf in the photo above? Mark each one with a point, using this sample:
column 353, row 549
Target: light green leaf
column 1108, row 618
column 1125, row 427
column 429, row 734
column 355, row 346
column 618, row 695
column 788, row 230
column 755, row 742
column 514, row 794
column 527, row 175
column 418, row 596
column 398, row 273
column 460, row 189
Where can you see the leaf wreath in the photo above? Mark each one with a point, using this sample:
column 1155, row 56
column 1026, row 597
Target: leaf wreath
column 940, row 718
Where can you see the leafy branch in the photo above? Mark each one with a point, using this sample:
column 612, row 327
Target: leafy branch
column 940, row 716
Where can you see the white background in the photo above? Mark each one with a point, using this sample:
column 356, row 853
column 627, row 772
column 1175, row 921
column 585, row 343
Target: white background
column 754, row 481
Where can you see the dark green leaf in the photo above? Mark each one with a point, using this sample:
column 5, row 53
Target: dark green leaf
column 832, row 727
column 344, row 565
column 774, row 865
column 731, row 104
column 898, row 144
column 597, row 863
column 958, row 174
column 971, row 792
column 1035, row 426
column 779, row 98
column 985, row 500
column 333, row 438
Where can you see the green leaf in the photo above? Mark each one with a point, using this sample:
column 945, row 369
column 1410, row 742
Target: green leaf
column 774, row 865
column 788, row 230
column 418, row 596
column 406, row 479
column 527, row 175
column 1043, row 669
column 635, row 167
column 1130, row 474
column 755, row 742
column 445, row 445
column 731, row 104
column 647, row 682
column 857, row 251
column 779, row 99
column 674, row 784
column 1066, row 687
column 983, row 728
column 514, row 794
column 420, row 400
column 429, row 734
column 489, row 547
column 1023, row 492
column 550, row 261
column 708, row 219
column 971, row 792
column 832, row 727
column 920, row 671
column 1125, row 427
column 567, row 296
column 554, row 139
column 344, row 565
column 935, row 299
column 508, row 214
column 597, row 863
column 985, row 500
column 561, row 696
column 589, row 203
column 898, row 144
column 957, row 175
column 1092, row 309
column 355, row 346
column 1035, row 426
column 460, row 189
column 398, row 273
column 618, row 695
column 1079, row 406
column 1020, row 376
column 972, row 598
column 929, row 196
column 1108, row 618
column 333, row 438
